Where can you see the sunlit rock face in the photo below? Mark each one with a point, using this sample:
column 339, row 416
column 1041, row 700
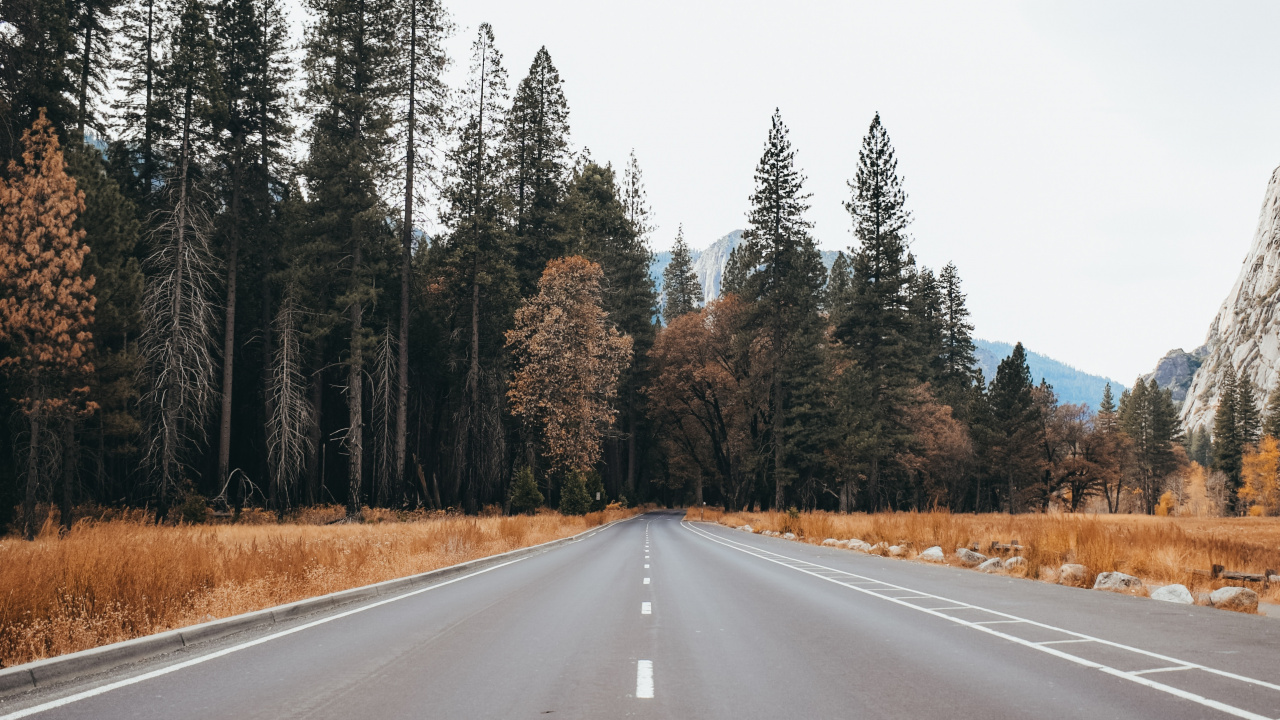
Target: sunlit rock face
column 1176, row 370
column 1246, row 331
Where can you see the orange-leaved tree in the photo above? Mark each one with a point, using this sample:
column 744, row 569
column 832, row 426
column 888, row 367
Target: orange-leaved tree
column 46, row 307
column 568, row 358
column 1260, row 478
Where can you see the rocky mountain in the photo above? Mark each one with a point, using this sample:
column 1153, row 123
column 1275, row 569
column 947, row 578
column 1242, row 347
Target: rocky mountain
column 1071, row 385
column 1246, row 331
column 1176, row 371
column 709, row 264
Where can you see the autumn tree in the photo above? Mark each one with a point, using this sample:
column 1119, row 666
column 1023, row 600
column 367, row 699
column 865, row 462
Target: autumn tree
column 568, row 358
column 1260, row 477
column 46, row 307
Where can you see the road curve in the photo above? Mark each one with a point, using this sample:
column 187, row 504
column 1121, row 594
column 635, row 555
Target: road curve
column 655, row 618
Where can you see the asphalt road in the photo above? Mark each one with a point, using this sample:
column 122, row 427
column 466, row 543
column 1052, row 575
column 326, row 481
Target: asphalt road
column 655, row 618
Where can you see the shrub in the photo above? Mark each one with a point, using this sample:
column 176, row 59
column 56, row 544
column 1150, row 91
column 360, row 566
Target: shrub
column 595, row 491
column 525, row 496
column 574, row 499
column 194, row 510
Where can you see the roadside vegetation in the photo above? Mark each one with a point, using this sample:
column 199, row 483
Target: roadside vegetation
column 107, row 581
column 1160, row 550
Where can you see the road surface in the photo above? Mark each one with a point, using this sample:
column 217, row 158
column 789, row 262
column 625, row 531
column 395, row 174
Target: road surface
column 656, row 618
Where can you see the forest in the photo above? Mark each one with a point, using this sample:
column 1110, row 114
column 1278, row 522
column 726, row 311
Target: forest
column 218, row 294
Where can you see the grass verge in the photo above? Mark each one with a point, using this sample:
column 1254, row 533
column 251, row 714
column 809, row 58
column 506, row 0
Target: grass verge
column 1160, row 550
column 111, row 581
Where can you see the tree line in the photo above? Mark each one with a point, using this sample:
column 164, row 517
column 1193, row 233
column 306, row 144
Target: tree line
column 219, row 292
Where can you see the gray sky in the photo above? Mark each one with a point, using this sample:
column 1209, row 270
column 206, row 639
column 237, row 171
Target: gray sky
column 1094, row 169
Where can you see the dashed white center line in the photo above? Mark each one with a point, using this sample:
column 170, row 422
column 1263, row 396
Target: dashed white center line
column 646, row 608
column 646, row 566
column 644, row 679
column 646, row 581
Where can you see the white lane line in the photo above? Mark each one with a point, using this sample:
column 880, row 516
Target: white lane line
column 646, row 608
column 236, row 648
column 646, row 566
column 1140, row 680
column 53, row 704
column 646, row 581
column 644, row 679
column 1168, row 669
column 1060, row 642
column 997, row 622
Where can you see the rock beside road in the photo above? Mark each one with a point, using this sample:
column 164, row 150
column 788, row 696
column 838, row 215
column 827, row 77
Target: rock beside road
column 831, row 542
column 748, row 528
column 789, row 536
column 991, row 565
column 1237, row 599
column 897, row 551
column 1174, row 594
column 880, row 548
column 969, row 557
column 859, row 545
column 1073, row 575
column 933, row 554
column 1117, row 582
column 1016, row 562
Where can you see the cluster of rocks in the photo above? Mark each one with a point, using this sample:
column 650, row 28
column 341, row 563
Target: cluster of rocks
column 1239, row 599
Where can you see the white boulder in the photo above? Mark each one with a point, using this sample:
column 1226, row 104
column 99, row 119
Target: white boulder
column 1017, row 562
column 748, row 528
column 897, row 551
column 969, row 557
column 789, row 536
column 1238, row 599
column 831, row 542
column 991, row 565
column 1174, row 594
column 933, row 554
column 1073, row 574
column 1117, row 582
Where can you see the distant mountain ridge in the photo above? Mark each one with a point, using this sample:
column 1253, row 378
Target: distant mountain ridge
column 1071, row 385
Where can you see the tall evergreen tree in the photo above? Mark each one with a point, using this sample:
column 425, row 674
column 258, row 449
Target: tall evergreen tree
column 1015, row 424
column 94, row 32
column 835, row 297
column 1228, row 449
column 1248, row 421
column 479, row 261
column 352, row 86
column 959, row 367
column 141, row 120
column 928, row 329
column 875, row 324
column 682, row 293
column 788, row 277
column 37, row 52
column 537, row 148
column 1148, row 416
column 424, row 128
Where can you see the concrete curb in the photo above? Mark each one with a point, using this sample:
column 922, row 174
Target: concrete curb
column 42, row 673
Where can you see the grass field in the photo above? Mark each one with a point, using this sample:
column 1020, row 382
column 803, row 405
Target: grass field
column 114, row 580
column 1160, row 550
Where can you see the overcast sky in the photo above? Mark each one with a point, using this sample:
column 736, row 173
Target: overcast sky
column 1094, row 169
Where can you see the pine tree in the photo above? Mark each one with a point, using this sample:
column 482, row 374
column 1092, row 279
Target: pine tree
column 145, row 26
column 352, row 84
column 478, row 259
column 1150, row 420
column 46, row 307
column 680, row 288
column 1015, row 422
column 536, row 137
column 252, row 69
column 92, row 27
column 525, row 496
column 36, row 77
column 1248, row 422
column 1271, row 421
column 835, row 297
column 875, row 324
column 958, row 362
column 788, row 277
column 1228, row 450
column 424, row 128
column 928, row 338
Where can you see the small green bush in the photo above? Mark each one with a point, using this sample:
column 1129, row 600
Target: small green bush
column 574, row 499
column 525, row 496
column 194, row 509
column 595, row 491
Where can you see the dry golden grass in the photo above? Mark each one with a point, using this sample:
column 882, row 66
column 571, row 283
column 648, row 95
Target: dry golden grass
column 111, row 581
column 1160, row 550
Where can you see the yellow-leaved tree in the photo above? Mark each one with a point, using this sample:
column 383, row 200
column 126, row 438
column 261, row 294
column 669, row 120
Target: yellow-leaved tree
column 568, row 357
column 1260, row 486
column 46, row 307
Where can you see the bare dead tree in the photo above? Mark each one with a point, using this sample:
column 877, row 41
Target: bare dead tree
column 290, row 419
column 386, row 394
column 179, row 328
